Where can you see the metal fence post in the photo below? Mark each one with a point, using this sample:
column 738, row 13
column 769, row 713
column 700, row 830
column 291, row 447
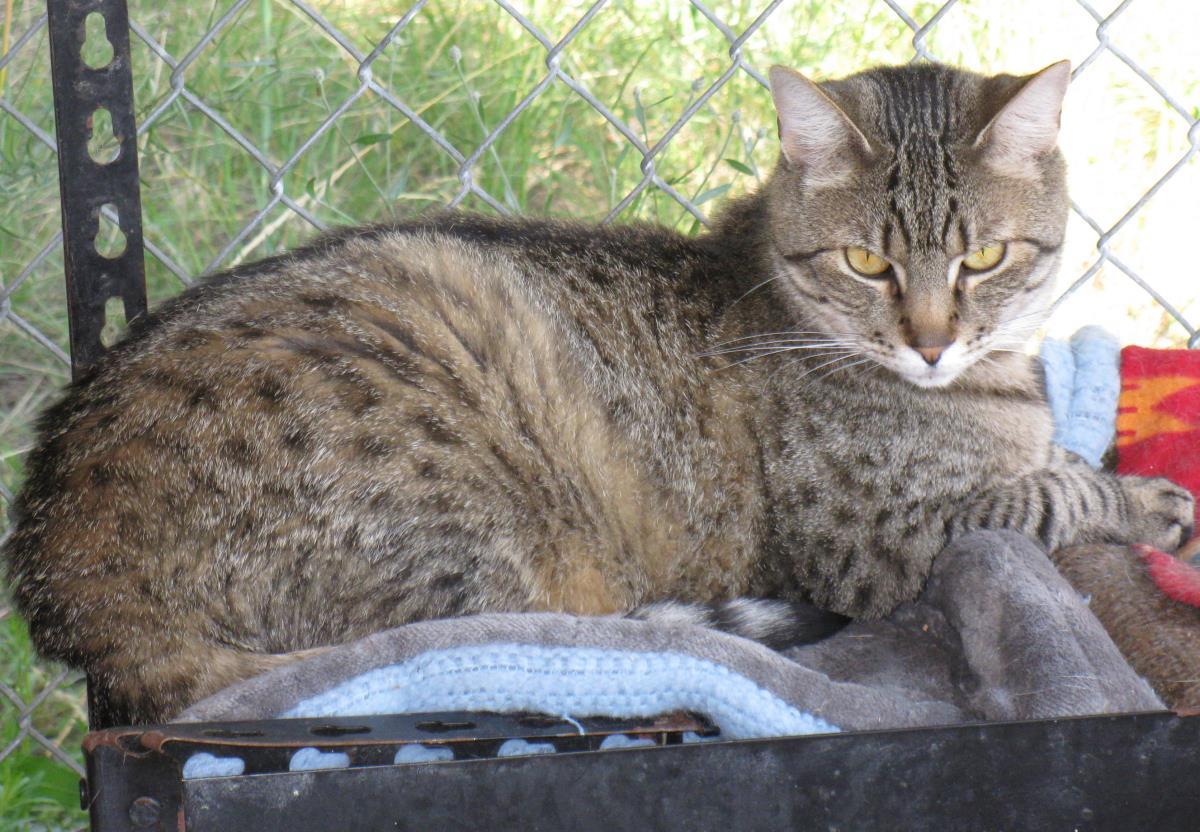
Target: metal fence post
column 86, row 186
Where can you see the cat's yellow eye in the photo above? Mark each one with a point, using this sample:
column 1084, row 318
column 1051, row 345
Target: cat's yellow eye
column 985, row 258
column 866, row 263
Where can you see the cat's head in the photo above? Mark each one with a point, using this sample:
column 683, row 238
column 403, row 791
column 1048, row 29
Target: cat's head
column 917, row 213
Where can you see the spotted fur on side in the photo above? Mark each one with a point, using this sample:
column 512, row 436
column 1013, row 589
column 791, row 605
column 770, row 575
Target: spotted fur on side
column 456, row 414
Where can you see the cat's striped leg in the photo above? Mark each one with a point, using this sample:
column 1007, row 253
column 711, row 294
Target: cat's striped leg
column 1068, row 502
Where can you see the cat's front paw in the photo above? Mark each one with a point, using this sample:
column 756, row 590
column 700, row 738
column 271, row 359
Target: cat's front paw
column 1161, row 513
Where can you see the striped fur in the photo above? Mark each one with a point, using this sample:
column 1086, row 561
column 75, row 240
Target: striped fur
column 1050, row 505
column 774, row 623
column 457, row 414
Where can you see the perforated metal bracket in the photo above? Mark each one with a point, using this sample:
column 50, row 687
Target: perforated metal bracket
column 87, row 186
column 1120, row 772
column 136, row 775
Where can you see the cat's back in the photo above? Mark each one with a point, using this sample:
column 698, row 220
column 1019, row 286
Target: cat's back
column 428, row 419
column 483, row 280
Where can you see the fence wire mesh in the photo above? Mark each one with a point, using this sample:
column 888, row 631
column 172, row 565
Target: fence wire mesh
column 426, row 108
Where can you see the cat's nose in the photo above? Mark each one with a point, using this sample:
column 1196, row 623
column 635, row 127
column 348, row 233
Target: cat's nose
column 930, row 354
column 929, row 326
column 930, row 345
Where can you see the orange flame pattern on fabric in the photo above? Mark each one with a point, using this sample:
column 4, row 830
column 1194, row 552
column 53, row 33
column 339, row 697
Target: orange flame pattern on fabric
column 1158, row 415
column 1145, row 410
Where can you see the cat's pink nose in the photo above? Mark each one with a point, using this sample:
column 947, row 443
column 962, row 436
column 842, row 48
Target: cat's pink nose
column 930, row 354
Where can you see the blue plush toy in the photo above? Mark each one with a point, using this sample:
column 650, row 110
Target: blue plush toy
column 1083, row 382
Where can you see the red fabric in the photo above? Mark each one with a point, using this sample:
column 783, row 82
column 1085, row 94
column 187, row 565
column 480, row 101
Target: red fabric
column 1179, row 581
column 1158, row 435
column 1158, row 417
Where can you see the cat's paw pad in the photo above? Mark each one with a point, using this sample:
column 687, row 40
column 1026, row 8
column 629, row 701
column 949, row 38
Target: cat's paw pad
column 1161, row 513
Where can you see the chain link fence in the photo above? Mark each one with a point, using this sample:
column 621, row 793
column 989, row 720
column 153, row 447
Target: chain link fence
column 292, row 157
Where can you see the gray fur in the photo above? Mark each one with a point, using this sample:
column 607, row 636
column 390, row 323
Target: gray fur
column 458, row 415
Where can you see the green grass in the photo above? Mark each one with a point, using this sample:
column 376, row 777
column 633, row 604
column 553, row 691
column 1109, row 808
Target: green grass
column 462, row 65
column 37, row 791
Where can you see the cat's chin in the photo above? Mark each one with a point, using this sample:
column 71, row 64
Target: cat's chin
column 921, row 375
column 931, row 380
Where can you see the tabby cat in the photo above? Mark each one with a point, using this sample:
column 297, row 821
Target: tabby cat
column 458, row 414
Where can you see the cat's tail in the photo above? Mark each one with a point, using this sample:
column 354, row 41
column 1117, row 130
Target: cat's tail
column 776, row 624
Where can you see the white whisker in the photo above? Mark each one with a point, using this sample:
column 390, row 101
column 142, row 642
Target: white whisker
column 799, row 345
column 812, row 370
column 787, row 333
column 754, row 289
column 783, row 350
column 858, row 363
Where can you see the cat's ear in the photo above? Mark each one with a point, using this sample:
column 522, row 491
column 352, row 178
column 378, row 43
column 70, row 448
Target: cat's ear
column 1026, row 127
column 815, row 134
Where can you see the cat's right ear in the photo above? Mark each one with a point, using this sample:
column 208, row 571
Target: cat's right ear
column 815, row 134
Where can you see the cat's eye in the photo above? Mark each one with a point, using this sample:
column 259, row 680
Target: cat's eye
column 866, row 263
column 985, row 258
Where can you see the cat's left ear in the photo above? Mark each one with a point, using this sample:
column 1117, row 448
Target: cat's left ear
column 1026, row 127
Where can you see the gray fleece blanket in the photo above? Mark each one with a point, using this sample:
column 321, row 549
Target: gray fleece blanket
column 997, row 634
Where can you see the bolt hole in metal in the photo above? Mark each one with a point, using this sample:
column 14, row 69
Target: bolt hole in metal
column 114, row 322
column 144, row 812
column 96, row 51
column 110, row 243
column 103, row 144
column 539, row 721
column 110, row 239
column 438, row 726
column 338, row 730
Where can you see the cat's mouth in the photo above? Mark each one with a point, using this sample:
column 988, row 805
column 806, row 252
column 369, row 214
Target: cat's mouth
column 917, row 371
